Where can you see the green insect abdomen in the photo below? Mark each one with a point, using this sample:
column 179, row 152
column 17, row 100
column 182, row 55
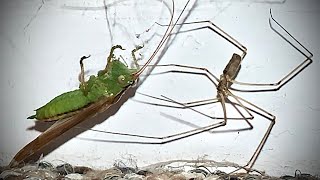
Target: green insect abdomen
column 64, row 103
column 75, row 100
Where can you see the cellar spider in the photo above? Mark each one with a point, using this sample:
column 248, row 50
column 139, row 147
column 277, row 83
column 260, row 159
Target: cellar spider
column 227, row 79
column 224, row 90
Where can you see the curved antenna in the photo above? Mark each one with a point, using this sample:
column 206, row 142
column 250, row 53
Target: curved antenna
column 164, row 38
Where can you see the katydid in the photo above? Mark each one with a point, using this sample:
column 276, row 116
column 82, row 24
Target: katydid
column 93, row 96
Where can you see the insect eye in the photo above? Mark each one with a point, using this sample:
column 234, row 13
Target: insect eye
column 121, row 79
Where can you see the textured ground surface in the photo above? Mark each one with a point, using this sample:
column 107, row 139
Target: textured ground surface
column 173, row 170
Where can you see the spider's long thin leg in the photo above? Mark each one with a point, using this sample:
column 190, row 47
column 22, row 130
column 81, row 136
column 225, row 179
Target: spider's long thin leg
column 291, row 74
column 272, row 119
column 212, row 126
column 258, row 150
column 174, row 105
column 215, row 28
column 165, row 139
column 206, row 73
column 177, row 136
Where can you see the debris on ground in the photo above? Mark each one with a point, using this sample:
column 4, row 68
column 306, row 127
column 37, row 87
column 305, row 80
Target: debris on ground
column 170, row 170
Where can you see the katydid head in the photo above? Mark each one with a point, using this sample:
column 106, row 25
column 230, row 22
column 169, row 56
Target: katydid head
column 121, row 74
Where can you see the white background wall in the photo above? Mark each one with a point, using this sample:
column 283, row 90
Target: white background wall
column 42, row 41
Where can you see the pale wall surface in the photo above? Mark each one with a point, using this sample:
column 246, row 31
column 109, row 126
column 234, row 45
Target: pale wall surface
column 42, row 41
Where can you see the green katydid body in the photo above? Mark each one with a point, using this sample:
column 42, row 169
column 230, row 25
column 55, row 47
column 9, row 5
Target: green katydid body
column 73, row 107
column 107, row 84
column 96, row 95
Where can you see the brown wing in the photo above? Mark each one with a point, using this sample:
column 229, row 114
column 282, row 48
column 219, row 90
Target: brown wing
column 62, row 126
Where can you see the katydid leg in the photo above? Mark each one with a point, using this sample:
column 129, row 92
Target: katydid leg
column 83, row 85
